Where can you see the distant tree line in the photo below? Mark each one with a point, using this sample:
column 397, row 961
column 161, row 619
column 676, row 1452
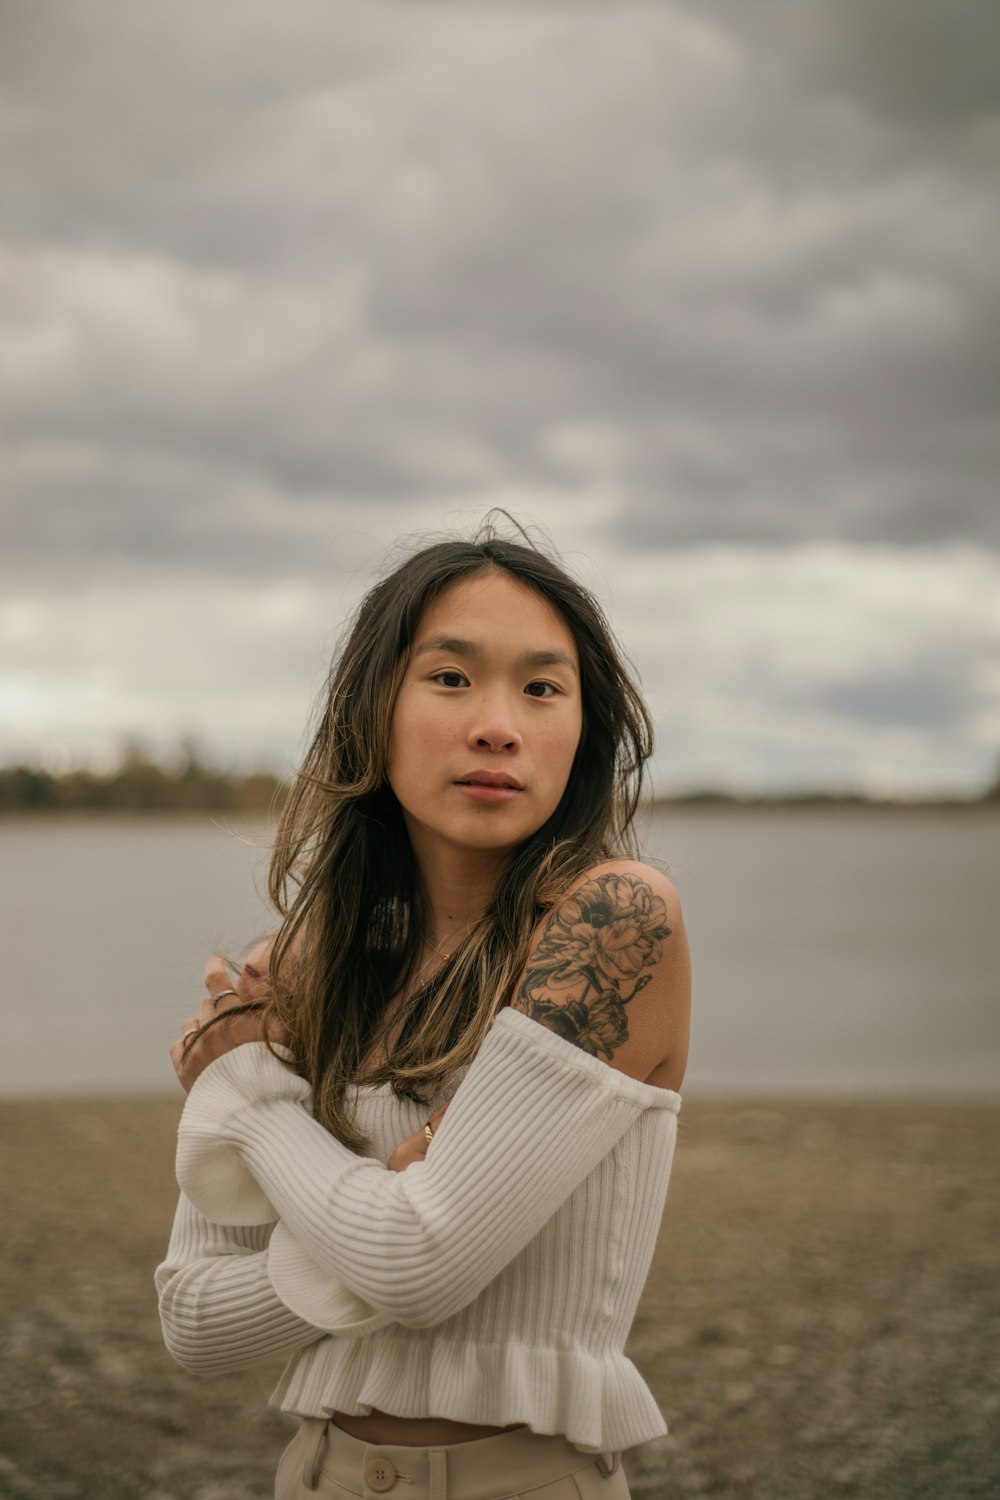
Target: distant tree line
column 142, row 784
column 709, row 797
column 138, row 784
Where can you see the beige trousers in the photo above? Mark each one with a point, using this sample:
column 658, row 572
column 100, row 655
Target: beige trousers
column 322, row 1462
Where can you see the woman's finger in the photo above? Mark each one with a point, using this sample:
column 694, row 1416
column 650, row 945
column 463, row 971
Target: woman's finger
column 414, row 1148
column 216, row 1004
column 216, row 975
column 180, row 1051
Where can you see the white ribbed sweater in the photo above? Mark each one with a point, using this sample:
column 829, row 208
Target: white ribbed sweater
column 494, row 1282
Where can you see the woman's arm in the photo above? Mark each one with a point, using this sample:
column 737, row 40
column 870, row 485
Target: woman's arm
column 535, row 1114
column 218, row 1309
column 610, row 970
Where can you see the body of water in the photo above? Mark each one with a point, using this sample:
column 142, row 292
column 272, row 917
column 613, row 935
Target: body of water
column 847, row 951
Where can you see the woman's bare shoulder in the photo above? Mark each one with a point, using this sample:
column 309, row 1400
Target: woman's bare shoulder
column 609, row 970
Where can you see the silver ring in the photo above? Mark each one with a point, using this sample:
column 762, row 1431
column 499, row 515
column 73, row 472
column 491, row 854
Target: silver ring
column 191, row 1031
column 222, row 995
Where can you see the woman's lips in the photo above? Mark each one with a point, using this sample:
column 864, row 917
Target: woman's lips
column 491, row 795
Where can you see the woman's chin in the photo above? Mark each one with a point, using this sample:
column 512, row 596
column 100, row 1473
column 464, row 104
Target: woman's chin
column 474, row 835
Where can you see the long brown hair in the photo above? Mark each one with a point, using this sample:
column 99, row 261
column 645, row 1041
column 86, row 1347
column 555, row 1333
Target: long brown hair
column 343, row 875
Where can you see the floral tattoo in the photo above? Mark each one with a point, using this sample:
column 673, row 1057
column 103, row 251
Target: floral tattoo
column 592, row 959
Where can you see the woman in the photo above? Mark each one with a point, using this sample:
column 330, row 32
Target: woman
column 476, row 986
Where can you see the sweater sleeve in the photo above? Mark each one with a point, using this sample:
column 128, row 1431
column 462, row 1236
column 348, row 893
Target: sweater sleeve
column 533, row 1116
column 218, row 1309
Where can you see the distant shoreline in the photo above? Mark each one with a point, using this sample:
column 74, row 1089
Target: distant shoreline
column 698, row 801
column 819, row 801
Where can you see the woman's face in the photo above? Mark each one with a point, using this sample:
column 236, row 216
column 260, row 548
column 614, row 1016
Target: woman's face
column 487, row 719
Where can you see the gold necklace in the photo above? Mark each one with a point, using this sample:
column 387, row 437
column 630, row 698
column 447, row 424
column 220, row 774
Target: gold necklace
column 437, row 953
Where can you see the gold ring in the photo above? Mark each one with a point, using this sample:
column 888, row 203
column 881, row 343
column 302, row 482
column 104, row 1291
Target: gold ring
column 428, row 1132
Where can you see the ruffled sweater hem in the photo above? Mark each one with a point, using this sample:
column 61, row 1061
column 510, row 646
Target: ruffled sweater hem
column 598, row 1404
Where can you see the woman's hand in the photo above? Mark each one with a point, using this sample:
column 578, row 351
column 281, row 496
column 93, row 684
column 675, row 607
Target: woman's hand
column 414, row 1148
column 192, row 1054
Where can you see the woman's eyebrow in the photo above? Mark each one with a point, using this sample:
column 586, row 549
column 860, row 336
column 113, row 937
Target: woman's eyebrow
column 456, row 647
column 547, row 659
column 449, row 643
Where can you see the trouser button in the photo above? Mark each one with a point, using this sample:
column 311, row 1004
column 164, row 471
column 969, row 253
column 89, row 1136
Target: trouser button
column 379, row 1475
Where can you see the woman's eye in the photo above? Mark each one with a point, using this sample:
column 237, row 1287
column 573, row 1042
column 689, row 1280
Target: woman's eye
column 450, row 679
column 546, row 689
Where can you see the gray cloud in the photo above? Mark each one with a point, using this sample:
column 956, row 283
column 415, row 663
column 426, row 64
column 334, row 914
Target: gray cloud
column 909, row 702
column 912, row 63
column 739, row 250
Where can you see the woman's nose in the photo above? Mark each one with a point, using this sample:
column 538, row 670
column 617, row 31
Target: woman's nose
column 494, row 727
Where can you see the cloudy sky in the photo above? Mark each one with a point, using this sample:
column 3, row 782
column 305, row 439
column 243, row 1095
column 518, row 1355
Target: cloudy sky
column 707, row 291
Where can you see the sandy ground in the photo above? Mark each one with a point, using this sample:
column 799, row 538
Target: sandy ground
column 821, row 1319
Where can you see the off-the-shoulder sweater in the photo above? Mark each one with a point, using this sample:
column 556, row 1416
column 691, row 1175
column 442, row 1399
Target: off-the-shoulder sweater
column 494, row 1282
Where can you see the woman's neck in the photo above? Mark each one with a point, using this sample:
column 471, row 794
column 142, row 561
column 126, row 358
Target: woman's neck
column 458, row 885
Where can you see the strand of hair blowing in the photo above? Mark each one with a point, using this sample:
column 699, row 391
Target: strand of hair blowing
column 343, row 876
